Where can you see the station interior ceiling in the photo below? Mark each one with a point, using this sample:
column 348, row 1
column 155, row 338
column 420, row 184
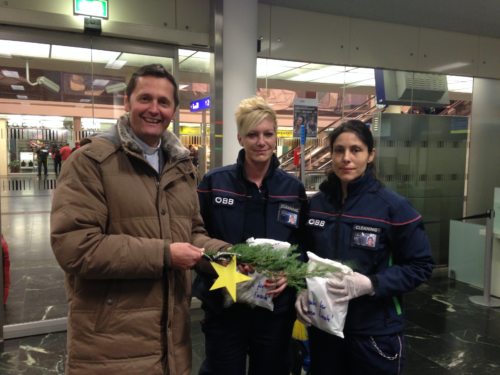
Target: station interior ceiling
column 102, row 82
column 462, row 16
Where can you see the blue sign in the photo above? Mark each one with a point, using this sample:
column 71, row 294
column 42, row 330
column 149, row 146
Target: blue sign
column 200, row 104
column 302, row 134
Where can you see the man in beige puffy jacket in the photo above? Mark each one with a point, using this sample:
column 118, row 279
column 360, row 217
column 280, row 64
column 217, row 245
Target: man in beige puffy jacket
column 126, row 229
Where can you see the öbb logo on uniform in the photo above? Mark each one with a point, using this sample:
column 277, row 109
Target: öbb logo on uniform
column 224, row 201
column 316, row 222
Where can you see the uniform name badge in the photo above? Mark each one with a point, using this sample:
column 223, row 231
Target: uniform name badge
column 288, row 215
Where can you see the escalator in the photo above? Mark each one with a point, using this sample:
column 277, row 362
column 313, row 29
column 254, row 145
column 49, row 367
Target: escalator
column 317, row 152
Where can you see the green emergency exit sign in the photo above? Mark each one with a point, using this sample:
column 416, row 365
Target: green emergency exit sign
column 92, row 8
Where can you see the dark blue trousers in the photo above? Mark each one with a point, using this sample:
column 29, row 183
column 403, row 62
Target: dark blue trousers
column 240, row 331
column 355, row 354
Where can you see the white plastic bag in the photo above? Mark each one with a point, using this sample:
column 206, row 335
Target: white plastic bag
column 253, row 292
column 325, row 314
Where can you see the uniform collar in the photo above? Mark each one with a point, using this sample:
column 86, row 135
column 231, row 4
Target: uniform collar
column 240, row 163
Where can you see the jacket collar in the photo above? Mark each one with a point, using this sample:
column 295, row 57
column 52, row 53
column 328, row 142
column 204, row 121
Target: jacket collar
column 240, row 165
column 331, row 187
column 121, row 134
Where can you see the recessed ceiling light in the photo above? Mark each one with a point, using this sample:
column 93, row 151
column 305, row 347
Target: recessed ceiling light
column 25, row 49
column 10, row 73
column 22, row 97
column 85, row 100
column 100, row 82
column 83, row 54
column 17, row 87
column 116, row 64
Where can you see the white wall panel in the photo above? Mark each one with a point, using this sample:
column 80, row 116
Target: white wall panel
column 448, row 53
column 264, row 29
column 484, row 153
column 156, row 13
column 49, row 6
column 308, row 36
column 379, row 44
column 151, row 20
column 489, row 58
column 193, row 15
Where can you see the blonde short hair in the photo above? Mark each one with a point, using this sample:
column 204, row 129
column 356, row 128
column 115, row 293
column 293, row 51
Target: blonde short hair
column 251, row 112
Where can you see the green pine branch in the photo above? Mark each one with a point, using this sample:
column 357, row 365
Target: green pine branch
column 273, row 263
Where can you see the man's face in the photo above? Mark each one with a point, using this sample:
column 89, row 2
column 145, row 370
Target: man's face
column 151, row 106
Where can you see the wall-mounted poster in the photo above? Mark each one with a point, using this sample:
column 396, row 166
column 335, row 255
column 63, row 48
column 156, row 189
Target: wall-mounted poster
column 305, row 112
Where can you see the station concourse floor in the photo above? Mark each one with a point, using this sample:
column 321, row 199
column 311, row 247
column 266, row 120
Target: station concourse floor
column 446, row 333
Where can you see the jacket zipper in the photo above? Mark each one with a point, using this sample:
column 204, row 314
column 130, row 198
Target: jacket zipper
column 336, row 251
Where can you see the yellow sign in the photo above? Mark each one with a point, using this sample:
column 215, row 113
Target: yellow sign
column 285, row 133
column 190, row 130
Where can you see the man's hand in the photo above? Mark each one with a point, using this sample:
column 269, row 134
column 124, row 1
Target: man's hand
column 349, row 286
column 184, row 256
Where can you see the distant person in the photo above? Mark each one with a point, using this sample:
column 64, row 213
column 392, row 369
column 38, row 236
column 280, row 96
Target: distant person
column 312, row 129
column 42, row 156
column 299, row 121
column 193, row 154
column 77, row 146
column 127, row 230
column 65, row 151
column 56, row 158
column 6, row 269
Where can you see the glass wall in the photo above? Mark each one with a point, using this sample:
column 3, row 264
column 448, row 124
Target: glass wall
column 423, row 157
column 57, row 89
column 420, row 123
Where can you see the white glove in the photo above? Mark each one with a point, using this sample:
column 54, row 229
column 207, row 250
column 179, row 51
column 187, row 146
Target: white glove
column 349, row 286
column 302, row 307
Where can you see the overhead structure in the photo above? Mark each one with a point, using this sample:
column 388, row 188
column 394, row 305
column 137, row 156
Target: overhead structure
column 42, row 80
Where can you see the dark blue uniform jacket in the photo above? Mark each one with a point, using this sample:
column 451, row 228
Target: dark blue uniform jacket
column 377, row 233
column 223, row 195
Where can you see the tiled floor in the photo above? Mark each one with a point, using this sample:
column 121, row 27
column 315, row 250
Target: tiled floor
column 446, row 333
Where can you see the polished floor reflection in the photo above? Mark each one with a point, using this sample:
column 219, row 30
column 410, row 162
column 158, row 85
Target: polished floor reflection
column 37, row 282
column 446, row 333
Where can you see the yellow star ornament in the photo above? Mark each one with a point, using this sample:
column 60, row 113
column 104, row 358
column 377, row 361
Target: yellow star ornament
column 228, row 277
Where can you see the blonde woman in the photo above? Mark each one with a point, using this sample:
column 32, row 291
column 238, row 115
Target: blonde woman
column 252, row 198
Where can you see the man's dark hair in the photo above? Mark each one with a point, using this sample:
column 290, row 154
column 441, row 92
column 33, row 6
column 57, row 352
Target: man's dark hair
column 153, row 70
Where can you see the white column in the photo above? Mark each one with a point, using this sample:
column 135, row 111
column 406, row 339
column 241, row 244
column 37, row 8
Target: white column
column 239, row 41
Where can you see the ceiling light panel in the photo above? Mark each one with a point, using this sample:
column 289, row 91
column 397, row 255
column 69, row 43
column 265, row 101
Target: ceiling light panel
column 195, row 65
column 460, row 84
column 141, row 60
column 35, row 121
column 10, row 73
column 24, row 49
column 269, row 68
column 353, row 77
column 100, row 82
column 83, row 54
column 116, row 64
column 185, row 53
column 316, row 75
column 17, row 87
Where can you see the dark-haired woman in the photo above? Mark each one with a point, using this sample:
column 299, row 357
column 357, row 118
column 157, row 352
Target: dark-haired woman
column 354, row 219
